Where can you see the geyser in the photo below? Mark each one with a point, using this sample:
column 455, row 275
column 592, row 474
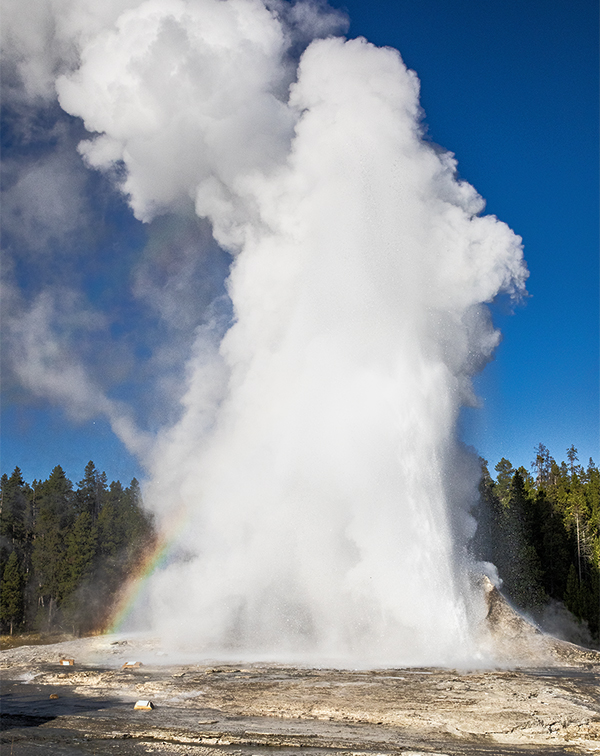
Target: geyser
column 315, row 461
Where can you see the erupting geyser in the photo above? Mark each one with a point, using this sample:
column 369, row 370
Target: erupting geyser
column 315, row 463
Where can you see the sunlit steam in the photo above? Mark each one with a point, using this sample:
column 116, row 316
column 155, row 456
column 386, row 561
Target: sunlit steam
column 327, row 499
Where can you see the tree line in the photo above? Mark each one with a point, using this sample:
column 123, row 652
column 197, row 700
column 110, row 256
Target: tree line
column 65, row 552
column 541, row 529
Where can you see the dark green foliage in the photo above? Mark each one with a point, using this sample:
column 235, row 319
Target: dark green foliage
column 48, row 559
column 64, row 554
column 80, row 550
column 521, row 565
column 510, row 545
column 13, row 507
column 503, row 480
column 11, row 593
column 543, row 533
column 541, row 464
column 573, row 597
column 91, row 491
column 554, row 545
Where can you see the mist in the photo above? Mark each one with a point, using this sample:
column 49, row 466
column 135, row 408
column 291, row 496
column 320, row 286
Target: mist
column 322, row 497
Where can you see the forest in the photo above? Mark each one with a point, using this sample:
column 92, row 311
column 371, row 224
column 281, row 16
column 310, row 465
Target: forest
column 541, row 529
column 65, row 552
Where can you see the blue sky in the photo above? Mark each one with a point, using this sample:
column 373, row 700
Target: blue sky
column 510, row 87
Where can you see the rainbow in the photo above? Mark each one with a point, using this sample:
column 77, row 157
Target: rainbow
column 154, row 558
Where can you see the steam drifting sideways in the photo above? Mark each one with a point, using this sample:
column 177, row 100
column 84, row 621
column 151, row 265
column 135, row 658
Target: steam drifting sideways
column 314, row 462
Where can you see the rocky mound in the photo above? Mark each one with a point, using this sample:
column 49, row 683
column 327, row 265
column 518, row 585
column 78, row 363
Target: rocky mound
column 515, row 641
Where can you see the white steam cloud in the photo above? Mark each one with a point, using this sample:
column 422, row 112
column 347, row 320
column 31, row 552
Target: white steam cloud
column 325, row 497
column 40, row 340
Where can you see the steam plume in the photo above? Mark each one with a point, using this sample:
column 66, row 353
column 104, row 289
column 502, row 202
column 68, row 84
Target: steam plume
column 315, row 458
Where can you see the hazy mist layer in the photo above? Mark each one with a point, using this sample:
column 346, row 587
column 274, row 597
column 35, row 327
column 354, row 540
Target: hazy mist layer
column 323, row 500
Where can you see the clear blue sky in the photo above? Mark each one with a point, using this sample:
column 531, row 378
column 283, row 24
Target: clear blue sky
column 512, row 89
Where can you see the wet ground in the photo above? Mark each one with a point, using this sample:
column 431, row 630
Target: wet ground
column 208, row 710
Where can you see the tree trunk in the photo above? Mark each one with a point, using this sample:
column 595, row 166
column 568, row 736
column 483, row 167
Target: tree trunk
column 578, row 548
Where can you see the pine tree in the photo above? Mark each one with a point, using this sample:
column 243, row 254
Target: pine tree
column 523, row 571
column 572, row 457
column 11, row 593
column 89, row 490
column 13, row 502
column 482, row 543
column 55, row 516
column 542, row 465
column 56, row 494
column 573, row 593
column 137, row 524
column 554, row 548
column 503, row 480
column 80, row 550
column 577, row 516
column 47, row 559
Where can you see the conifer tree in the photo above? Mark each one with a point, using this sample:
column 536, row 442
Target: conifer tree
column 572, row 457
column 80, row 550
column 542, row 465
column 573, row 593
column 91, row 490
column 13, row 501
column 505, row 472
column 522, row 570
column 55, row 516
column 11, row 593
column 554, row 547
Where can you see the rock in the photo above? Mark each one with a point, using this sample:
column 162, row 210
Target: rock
column 144, row 705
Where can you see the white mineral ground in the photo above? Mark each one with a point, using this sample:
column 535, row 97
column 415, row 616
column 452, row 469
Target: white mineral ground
column 542, row 696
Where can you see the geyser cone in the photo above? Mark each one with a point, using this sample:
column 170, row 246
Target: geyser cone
column 326, row 498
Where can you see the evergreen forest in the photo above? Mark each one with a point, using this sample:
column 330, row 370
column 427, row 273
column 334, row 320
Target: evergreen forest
column 65, row 552
column 541, row 529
